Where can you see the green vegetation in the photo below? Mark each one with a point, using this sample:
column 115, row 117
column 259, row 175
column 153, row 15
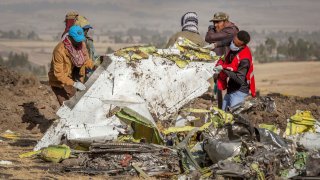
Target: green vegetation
column 140, row 36
column 20, row 62
column 18, row 34
column 292, row 50
column 109, row 50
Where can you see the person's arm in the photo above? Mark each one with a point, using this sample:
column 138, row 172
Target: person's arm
column 223, row 43
column 240, row 75
column 89, row 64
column 92, row 50
column 213, row 36
column 171, row 41
column 58, row 70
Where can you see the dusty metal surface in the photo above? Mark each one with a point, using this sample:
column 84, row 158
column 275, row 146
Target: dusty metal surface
column 152, row 86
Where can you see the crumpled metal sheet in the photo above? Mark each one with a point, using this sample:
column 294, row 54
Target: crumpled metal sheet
column 310, row 141
column 218, row 150
column 88, row 133
column 154, row 86
column 231, row 169
column 270, row 138
column 262, row 103
column 114, row 158
column 218, row 146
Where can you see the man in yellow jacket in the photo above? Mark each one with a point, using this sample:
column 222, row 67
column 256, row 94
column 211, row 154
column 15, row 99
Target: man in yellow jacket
column 69, row 60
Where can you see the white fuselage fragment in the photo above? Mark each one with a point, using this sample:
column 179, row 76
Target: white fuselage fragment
column 154, row 86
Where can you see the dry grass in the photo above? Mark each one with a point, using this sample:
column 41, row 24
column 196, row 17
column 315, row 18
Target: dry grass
column 291, row 78
column 40, row 52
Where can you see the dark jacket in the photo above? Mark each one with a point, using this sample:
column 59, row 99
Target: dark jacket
column 237, row 80
column 222, row 38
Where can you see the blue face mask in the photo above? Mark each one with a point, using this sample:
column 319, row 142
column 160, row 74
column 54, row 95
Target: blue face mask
column 233, row 47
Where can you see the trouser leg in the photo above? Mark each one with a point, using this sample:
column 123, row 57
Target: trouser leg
column 219, row 98
column 237, row 98
column 64, row 93
column 226, row 102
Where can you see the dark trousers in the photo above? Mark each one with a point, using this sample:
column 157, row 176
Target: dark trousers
column 219, row 98
column 64, row 93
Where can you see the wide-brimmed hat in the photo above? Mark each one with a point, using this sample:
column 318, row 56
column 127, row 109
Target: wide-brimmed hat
column 220, row 16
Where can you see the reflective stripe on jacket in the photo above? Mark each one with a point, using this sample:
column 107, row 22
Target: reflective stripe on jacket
column 233, row 66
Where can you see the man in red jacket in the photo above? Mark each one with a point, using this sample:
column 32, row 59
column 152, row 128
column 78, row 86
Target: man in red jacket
column 236, row 72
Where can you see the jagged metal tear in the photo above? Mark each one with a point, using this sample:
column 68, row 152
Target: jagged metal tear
column 154, row 86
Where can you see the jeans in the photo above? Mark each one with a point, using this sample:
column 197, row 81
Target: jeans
column 233, row 99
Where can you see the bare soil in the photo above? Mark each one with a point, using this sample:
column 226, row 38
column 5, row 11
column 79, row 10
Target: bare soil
column 26, row 104
column 289, row 78
column 286, row 106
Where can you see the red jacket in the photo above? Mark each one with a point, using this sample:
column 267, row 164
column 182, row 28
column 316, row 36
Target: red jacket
column 233, row 66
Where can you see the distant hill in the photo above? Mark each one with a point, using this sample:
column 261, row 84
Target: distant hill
column 48, row 16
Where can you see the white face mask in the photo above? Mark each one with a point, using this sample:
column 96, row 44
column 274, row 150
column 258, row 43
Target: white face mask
column 233, row 47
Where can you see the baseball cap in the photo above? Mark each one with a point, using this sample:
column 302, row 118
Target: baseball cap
column 76, row 32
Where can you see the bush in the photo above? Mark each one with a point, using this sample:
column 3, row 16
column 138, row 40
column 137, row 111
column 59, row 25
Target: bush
column 20, row 62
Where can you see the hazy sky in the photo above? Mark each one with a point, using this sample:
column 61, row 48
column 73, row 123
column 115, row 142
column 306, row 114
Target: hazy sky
column 46, row 16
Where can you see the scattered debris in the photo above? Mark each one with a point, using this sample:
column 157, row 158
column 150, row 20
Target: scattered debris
column 301, row 122
column 124, row 158
column 4, row 162
column 136, row 119
column 8, row 134
column 114, row 84
column 55, row 153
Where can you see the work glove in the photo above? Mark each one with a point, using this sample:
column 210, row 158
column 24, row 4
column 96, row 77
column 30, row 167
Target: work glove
column 79, row 85
column 217, row 69
column 210, row 46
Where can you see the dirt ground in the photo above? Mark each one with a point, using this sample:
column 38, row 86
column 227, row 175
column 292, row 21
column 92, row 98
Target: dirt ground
column 289, row 78
column 286, row 106
column 28, row 107
column 26, row 104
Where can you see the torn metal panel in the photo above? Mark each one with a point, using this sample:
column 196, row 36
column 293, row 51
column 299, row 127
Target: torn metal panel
column 269, row 138
column 162, row 85
column 53, row 135
column 88, row 133
column 218, row 150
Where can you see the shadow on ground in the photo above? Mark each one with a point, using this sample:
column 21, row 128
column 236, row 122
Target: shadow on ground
column 34, row 118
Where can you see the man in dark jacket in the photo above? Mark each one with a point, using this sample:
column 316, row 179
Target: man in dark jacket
column 220, row 35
